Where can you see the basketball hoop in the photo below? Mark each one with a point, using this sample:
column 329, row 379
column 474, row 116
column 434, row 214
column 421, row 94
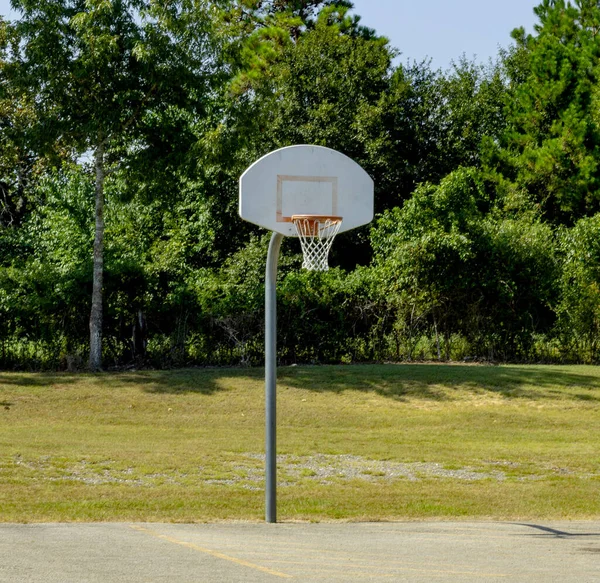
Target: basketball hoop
column 316, row 233
column 276, row 193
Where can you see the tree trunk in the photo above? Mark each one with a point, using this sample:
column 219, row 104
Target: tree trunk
column 437, row 338
column 95, row 362
column 138, row 339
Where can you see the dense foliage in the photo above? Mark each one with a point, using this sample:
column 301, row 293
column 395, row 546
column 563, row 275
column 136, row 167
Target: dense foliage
column 125, row 124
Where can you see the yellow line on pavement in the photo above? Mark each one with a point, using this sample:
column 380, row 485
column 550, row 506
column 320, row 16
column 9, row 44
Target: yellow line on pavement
column 212, row 553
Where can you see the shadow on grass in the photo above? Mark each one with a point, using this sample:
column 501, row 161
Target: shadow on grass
column 202, row 381
column 399, row 382
column 438, row 381
column 38, row 379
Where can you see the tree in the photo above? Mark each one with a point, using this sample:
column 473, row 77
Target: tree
column 553, row 143
column 107, row 77
column 468, row 110
column 578, row 323
column 259, row 31
column 19, row 137
column 450, row 263
column 426, row 124
column 425, row 250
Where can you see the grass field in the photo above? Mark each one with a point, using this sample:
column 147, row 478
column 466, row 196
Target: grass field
column 377, row 442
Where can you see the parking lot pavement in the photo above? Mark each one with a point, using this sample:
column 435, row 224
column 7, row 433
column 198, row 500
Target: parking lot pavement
column 243, row 552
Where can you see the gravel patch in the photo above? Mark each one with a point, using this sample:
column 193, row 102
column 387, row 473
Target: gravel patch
column 325, row 468
column 247, row 471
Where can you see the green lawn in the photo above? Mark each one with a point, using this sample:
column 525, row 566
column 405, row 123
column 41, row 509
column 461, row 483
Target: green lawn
column 377, row 442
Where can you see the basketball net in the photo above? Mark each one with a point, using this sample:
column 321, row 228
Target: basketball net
column 316, row 233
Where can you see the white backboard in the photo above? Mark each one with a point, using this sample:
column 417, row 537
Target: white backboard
column 305, row 180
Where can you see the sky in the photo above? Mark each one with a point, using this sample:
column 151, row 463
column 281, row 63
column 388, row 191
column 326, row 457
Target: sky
column 441, row 30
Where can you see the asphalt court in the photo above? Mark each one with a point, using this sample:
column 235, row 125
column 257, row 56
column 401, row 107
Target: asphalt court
column 565, row 552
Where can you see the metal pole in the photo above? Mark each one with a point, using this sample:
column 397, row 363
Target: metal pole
column 271, row 378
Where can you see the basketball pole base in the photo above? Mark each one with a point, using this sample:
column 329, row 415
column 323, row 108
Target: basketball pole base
column 271, row 378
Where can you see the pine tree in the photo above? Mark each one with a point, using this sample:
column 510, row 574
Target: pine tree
column 554, row 138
